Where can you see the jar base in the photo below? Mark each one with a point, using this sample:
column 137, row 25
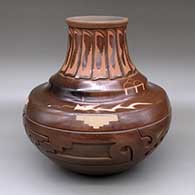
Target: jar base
column 93, row 170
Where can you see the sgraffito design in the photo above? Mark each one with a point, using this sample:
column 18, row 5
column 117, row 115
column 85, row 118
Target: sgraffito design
column 97, row 108
column 101, row 108
column 136, row 85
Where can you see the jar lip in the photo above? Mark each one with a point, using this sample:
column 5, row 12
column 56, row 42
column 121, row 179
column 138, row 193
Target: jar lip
column 97, row 21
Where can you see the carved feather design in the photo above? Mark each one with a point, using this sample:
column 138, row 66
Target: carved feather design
column 97, row 54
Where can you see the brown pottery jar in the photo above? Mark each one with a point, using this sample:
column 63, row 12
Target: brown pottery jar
column 98, row 114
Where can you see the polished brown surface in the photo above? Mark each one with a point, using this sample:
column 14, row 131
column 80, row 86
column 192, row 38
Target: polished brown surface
column 98, row 114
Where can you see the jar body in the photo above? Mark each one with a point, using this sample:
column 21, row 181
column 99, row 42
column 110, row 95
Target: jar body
column 94, row 119
column 96, row 143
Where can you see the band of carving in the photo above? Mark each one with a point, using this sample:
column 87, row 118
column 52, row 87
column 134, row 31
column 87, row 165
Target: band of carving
column 97, row 54
column 152, row 139
column 135, row 144
column 104, row 153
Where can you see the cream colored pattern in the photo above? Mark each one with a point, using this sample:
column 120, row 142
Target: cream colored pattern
column 97, row 120
column 96, row 107
column 136, row 87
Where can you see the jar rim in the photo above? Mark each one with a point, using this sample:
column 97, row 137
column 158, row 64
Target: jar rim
column 97, row 21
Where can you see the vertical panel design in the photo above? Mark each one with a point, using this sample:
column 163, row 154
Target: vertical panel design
column 84, row 70
column 121, row 52
column 70, row 50
column 126, row 51
column 100, row 64
column 114, row 66
column 97, row 54
column 75, row 60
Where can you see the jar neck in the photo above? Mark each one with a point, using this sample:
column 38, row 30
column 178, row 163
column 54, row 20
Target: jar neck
column 96, row 54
